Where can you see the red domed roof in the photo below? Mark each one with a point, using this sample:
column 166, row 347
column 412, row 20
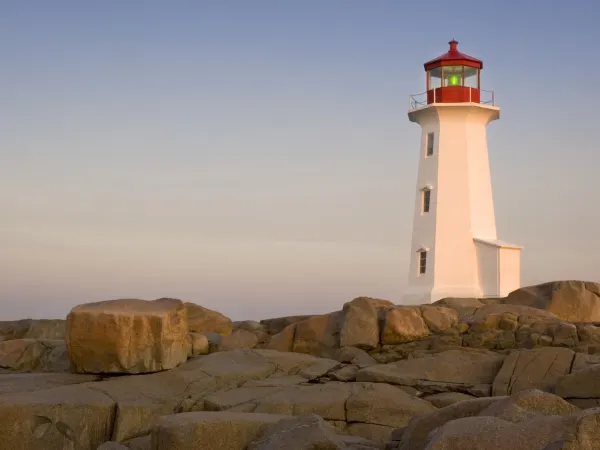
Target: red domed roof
column 453, row 57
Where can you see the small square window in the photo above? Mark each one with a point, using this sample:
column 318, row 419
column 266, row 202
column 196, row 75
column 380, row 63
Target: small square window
column 422, row 262
column 426, row 200
column 430, row 141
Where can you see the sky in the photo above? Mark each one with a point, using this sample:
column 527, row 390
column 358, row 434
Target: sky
column 256, row 157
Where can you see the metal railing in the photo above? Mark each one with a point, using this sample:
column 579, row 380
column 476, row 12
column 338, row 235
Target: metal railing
column 417, row 101
column 491, row 97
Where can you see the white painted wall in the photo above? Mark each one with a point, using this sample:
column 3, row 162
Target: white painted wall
column 488, row 259
column 461, row 203
column 420, row 285
column 509, row 270
column 483, row 220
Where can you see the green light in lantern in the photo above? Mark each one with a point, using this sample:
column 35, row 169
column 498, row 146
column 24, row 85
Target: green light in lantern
column 453, row 79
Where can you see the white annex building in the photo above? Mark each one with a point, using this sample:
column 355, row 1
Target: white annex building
column 455, row 251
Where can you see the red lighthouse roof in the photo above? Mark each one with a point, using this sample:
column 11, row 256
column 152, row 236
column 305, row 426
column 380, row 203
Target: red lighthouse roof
column 453, row 57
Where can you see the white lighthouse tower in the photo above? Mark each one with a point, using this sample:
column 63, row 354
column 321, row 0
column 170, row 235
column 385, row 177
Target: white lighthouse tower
column 455, row 251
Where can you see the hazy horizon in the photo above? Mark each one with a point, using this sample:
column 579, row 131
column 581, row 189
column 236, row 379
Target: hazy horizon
column 257, row 158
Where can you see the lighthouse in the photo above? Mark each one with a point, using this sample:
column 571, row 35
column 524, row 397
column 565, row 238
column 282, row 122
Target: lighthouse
column 455, row 251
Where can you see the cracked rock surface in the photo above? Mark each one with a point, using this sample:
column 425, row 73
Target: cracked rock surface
column 514, row 373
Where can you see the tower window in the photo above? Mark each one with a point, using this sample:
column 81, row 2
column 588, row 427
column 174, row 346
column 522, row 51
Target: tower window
column 430, row 138
column 426, row 200
column 422, row 261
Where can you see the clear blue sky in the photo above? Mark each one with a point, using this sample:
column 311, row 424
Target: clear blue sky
column 256, row 157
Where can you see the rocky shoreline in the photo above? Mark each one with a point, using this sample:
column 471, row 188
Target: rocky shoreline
column 515, row 373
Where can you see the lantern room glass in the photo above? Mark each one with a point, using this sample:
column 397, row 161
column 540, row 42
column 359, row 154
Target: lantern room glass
column 435, row 78
column 471, row 77
column 452, row 76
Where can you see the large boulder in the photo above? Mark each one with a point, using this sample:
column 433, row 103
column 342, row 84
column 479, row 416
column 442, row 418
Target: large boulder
column 524, row 313
column 493, row 433
column 198, row 344
column 573, row 301
column 583, row 384
column 404, row 324
column 202, row 320
column 238, row 339
column 309, row 431
column 528, row 404
column 256, row 328
column 361, row 323
column 528, row 420
column 416, row 435
column 127, row 336
column 277, row 324
column 585, row 433
column 283, row 341
column 538, row 368
column 318, row 335
column 438, row 318
column 463, row 306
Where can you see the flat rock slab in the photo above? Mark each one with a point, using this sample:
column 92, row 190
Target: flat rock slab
column 444, row 399
column 581, row 384
column 277, row 381
column 452, row 370
column 377, row 404
column 206, row 382
column 128, row 336
column 327, row 400
column 139, row 443
column 231, row 365
column 27, row 382
column 65, row 417
column 141, row 399
column 26, row 355
column 33, row 329
column 384, row 404
column 309, row 431
column 112, row 445
column 230, row 398
column 210, row 430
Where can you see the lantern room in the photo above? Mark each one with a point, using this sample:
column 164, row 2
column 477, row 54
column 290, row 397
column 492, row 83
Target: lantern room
column 453, row 77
